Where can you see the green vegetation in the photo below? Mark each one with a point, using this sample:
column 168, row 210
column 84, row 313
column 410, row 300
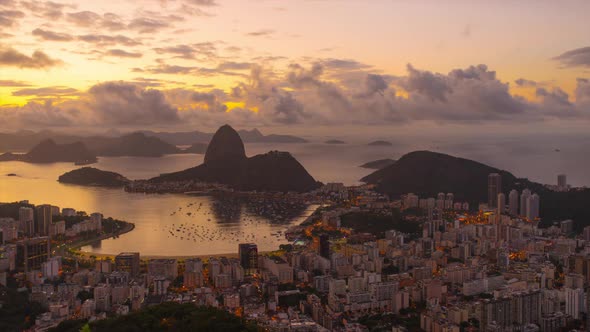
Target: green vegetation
column 165, row 317
column 17, row 313
column 377, row 224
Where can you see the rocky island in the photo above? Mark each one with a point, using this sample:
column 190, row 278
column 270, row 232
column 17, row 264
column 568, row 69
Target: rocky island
column 380, row 143
column 334, row 141
column 89, row 176
column 226, row 164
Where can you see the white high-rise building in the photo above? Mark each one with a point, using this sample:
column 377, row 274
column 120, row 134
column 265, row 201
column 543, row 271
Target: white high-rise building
column 501, row 203
column 574, row 302
column 513, row 202
column 532, row 211
column 524, row 198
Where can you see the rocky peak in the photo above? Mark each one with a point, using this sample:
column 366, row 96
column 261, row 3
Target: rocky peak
column 225, row 146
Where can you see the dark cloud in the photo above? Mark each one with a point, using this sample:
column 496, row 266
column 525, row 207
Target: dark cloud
column 231, row 65
column 343, row 64
column 167, row 69
column 51, row 35
column 202, row 51
column 125, row 103
column 433, row 86
column 555, row 98
column 209, row 99
column 11, row 83
column 9, row 18
column 261, row 33
column 151, row 22
column 181, row 51
column 579, row 57
column 122, row 53
column 112, row 22
column 11, row 57
column 525, row 82
column 46, row 91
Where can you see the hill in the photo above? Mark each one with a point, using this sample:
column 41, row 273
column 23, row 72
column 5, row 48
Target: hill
column 167, row 316
column 89, row 176
column 378, row 164
column 248, row 136
column 380, row 143
column 226, row 163
column 135, row 144
column 427, row 173
column 50, row 152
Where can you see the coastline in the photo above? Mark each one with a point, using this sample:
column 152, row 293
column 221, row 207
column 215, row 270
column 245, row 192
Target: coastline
column 126, row 229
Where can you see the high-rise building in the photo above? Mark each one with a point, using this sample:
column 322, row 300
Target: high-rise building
column 513, row 202
column 325, row 246
column 532, row 211
column 127, row 262
column 26, row 220
column 501, row 203
column 494, row 188
column 574, row 302
column 43, row 220
column 32, row 253
column 524, row 200
column 248, row 253
column 562, row 181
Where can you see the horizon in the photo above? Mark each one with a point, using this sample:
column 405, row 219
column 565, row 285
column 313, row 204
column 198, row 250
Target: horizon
column 176, row 64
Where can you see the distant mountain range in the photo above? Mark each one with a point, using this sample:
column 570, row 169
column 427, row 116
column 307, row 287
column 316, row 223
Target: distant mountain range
column 380, row 143
column 226, row 163
column 248, row 136
column 334, row 141
column 427, row 173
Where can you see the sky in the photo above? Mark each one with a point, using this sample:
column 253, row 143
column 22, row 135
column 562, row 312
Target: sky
column 180, row 64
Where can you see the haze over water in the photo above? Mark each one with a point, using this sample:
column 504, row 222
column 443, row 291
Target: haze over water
column 327, row 163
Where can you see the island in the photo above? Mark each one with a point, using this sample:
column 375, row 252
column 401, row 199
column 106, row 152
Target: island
column 90, row 176
column 380, row 143
column 378, row 164
column 226, row 164
column 50, row 152
column 334, row 141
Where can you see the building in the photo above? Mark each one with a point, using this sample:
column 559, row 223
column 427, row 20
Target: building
column 532, row 207
column 501, row 203
column 44, row 219
column 566, row 226
column 524, row 200
column 562, row 182
column 574, row 302
column 128, row 262
column 494, row 188
column 26, row 220
column 325, row 246
column 163, row 267
column 32, row 253
column 513, row 203
column 248, row 253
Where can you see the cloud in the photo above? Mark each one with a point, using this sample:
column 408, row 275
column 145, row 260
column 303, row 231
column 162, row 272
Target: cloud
column 102, row 40
column 9, row 18
column 202, row 51
column 84, row 18
column 11, row 83
column 261, row 33
column 11, row 57
column 46, row 91
column 525, row 83
column 51, row 35
column 122, row 103
column 206, row 3
column 45, row 9
column 579, row 57
column 122, row 54
column 151, row 22
column 433, row 86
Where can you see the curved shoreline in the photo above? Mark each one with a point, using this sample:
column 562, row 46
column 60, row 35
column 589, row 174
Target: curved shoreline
column 126, row 229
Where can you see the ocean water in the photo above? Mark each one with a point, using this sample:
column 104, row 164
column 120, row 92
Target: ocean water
column 161, row 220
